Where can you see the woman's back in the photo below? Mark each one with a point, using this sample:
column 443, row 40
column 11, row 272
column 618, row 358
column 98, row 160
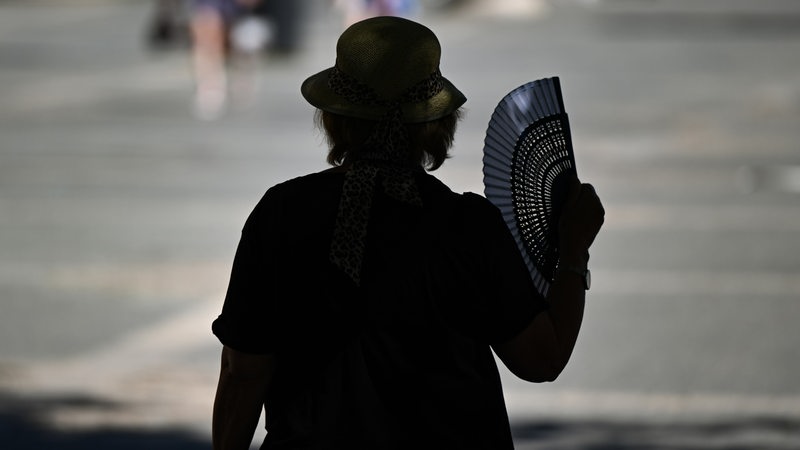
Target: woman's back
column 405, row 357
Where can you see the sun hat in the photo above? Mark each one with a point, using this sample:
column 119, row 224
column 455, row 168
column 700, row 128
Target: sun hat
column 384, row 63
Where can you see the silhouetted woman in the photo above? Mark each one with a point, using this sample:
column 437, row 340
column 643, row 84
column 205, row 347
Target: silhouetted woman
column 365, row 300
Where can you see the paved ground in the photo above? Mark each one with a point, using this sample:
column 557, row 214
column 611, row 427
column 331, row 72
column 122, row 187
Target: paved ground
column 119, row 215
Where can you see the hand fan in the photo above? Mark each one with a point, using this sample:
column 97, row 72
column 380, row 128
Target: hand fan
column 527, row 163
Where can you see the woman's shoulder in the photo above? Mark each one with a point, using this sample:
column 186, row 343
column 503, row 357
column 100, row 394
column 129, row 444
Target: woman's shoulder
column 475, row 205
column 305, row 191
column 314, row 184
column 477, row 202
column 314, row 180
column 472, row 209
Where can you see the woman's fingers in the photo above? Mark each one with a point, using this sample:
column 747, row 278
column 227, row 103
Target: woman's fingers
column 583, row 215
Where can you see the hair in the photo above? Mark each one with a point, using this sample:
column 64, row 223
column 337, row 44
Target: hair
column 430, row 142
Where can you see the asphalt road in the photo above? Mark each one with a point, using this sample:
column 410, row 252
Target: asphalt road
column 119, row 216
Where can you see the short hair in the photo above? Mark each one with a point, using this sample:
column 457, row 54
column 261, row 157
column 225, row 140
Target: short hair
column 430, row 142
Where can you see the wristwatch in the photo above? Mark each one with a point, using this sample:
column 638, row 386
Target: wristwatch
column 585, row 274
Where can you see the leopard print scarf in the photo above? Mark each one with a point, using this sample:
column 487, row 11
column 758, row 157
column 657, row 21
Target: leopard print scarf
column 385, row 157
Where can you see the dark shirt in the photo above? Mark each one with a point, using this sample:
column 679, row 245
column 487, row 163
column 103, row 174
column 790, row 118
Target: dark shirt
column 404, row 361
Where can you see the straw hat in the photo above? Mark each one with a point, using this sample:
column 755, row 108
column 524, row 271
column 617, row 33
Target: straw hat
column 385, row 63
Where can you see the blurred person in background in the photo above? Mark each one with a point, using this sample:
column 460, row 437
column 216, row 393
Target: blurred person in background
column 365, row 300
column 227, row 39
column 167, row 27
column 288, row 19
column 356, row 10
column 219, row 28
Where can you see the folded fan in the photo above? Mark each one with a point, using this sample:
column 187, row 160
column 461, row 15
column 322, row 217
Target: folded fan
column 527, row 163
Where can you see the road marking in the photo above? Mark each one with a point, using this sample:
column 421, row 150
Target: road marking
column 509, row 9
column 735, row 217
column 71, row 90
column 567, row 403
column 696, row 283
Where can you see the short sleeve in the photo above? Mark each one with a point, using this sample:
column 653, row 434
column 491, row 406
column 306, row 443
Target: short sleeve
column 249, row 304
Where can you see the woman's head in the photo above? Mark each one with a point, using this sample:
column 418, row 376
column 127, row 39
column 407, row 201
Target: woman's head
column 429, row 142
column 386, row 94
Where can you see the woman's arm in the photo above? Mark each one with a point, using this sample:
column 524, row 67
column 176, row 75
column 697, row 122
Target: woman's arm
column 243, row 383
column 541, row 351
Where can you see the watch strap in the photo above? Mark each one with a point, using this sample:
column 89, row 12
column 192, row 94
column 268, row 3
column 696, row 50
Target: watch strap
column 583, row 272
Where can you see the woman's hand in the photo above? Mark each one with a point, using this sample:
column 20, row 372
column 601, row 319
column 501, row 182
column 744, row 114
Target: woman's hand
column 581, row 218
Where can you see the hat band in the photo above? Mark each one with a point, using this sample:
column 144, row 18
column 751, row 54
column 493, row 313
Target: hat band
column 358, row 93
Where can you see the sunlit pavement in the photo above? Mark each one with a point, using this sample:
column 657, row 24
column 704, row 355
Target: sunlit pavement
column 119, row 216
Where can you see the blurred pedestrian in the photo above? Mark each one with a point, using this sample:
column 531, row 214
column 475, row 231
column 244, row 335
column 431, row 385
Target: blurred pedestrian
column 214, row 38
column 166, row 27
column 356, row 10
column 288, row 20
column 228, row 39
column 365, row 300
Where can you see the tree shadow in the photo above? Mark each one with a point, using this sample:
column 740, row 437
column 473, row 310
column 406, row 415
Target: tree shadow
column 22, row 428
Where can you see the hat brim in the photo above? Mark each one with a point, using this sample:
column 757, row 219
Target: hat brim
column 315, row 90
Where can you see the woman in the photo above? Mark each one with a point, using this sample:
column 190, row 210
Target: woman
column 365, row 300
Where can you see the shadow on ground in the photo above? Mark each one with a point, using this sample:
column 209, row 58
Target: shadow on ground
column 22, row 428
column 757, row 433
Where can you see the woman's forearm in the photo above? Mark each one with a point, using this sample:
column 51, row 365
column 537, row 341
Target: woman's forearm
column 567, row 298
column 237, row 405
column 541, row 351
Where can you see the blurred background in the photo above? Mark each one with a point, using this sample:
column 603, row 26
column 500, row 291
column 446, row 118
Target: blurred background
column 125, row 181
